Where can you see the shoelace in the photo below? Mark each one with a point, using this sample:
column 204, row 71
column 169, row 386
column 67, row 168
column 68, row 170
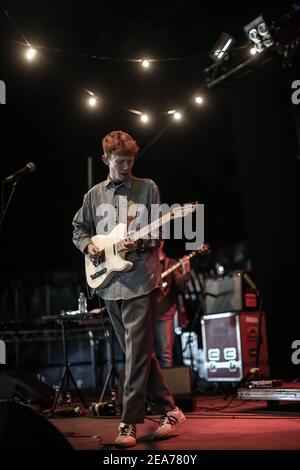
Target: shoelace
column 164, row 419
column 125, row 430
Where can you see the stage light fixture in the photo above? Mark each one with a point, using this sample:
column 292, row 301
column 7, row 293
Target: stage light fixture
column 222, row 47
column 177, row 116
column 258, row 34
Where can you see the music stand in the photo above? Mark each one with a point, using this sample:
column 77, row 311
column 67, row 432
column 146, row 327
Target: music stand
column 113, row 371
column 66, row 374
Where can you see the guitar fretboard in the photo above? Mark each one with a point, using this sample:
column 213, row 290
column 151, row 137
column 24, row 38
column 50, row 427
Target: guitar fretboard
column 153, row 226
column 143, row 232
column 177, row 265
column 201, row 251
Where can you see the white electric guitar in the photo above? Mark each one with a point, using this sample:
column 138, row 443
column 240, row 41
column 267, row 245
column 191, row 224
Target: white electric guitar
column 112, row 251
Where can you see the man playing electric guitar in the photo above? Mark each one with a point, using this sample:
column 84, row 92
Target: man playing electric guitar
column 129, row 296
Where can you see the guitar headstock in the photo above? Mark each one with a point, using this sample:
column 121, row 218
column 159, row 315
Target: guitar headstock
column 205, row 248
column 183, row 210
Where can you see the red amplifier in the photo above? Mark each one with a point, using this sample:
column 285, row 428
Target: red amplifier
column 229, row 345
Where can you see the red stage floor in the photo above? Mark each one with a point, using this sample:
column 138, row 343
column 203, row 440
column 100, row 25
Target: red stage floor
column 241, row 426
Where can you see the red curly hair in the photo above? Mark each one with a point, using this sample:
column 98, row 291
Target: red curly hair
column 119, row 143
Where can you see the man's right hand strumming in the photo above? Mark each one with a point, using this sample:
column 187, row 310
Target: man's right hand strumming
column 93, row 252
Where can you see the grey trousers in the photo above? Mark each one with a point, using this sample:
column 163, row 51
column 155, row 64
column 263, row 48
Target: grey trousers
column 134, row 324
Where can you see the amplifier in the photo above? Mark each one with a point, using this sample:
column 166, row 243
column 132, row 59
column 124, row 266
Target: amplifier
column 231, row 293
column 229, row 345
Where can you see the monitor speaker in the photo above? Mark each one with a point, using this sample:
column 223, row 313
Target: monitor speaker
column 22, row 428
column 25, row 388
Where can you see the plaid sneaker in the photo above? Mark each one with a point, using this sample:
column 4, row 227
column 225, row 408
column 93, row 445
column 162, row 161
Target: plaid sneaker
column 126, row 435
column 169, row 420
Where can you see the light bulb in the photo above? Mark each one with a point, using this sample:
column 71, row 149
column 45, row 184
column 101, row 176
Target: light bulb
column 30, row 54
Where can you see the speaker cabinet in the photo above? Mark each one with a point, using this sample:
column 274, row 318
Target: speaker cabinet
column 231, row 293
column 179, row 380
column 22, row 428
column 25, row 388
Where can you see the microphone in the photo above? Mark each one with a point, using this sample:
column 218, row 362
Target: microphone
column 29, row 168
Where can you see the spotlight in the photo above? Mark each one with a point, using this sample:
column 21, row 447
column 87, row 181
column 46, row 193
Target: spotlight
column 258, row 34
column 30, row 53
column 146, row 63
column 199, row 100
column 144, row 118
column 177, row 116
column 253, row 50
column 222, row 47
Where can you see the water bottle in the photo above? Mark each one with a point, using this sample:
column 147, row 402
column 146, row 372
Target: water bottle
column 60, row 397
column 82, row 304
column 68, row 398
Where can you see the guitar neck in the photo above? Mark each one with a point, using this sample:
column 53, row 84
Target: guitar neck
column 145, row 231
column 177, row 265
column 154, row 226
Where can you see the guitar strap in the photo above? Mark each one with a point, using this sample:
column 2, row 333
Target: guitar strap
column 134, row 198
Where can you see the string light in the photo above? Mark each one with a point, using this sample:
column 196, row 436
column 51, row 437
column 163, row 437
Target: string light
column 146, row 63
column 145, row 118
column 199, row 99
column 30, row 53
column 92, row 101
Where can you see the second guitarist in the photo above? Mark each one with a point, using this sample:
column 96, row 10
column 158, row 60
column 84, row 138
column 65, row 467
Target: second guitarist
column 166, row 305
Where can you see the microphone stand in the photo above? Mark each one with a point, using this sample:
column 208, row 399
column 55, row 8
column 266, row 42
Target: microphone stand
column 15, row 184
